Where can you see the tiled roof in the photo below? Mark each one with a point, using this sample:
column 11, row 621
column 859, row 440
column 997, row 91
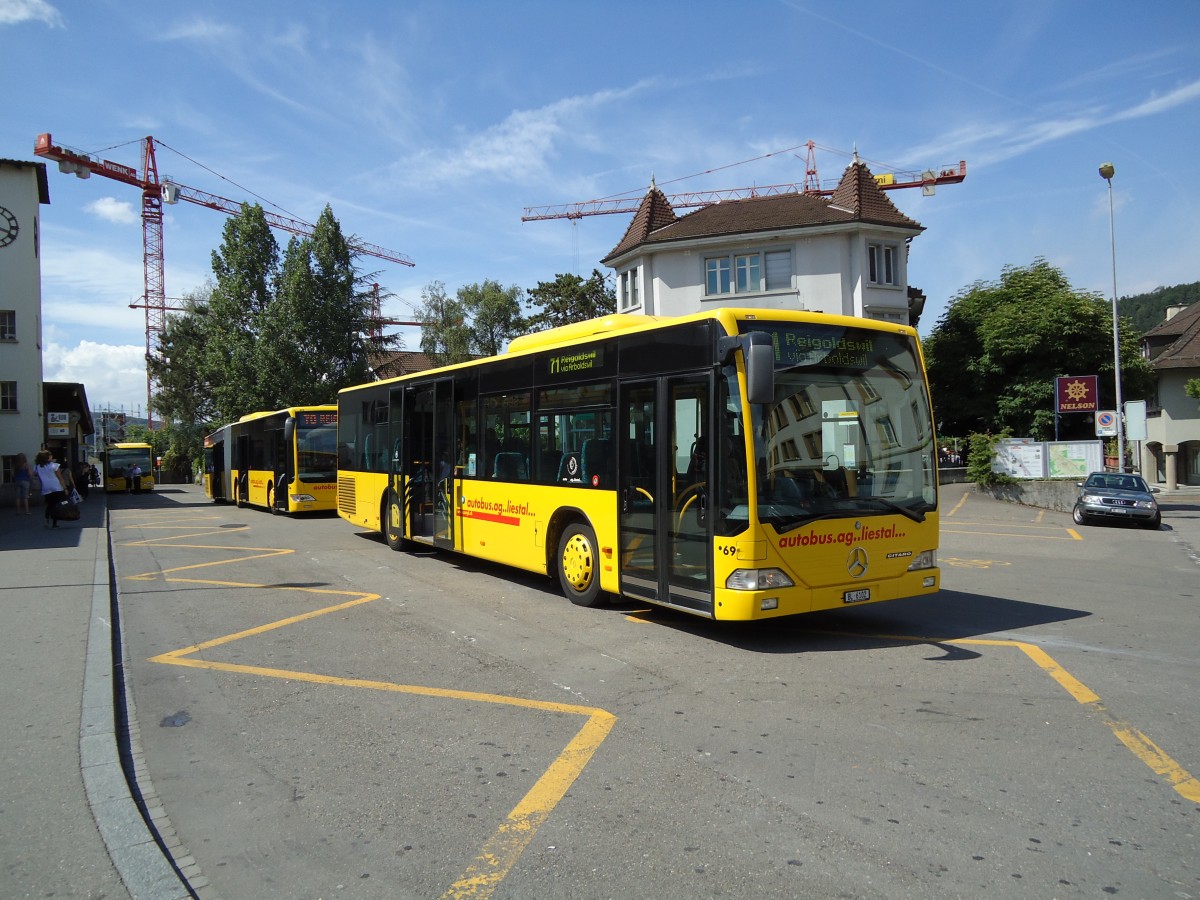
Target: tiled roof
column 856, row 199
column 1183, row 333
column 858, row 192
column 400, row 362
column 654, row 212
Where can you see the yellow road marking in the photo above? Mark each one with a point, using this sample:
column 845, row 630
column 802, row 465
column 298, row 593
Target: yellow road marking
column 1036, row 537
column 973, row 563
column 1185, row 784
column 502, row 850
column 959, row 505
column 1075, row 535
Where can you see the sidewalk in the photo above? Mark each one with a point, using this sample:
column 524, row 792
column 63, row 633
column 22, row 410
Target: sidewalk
column 68, row 825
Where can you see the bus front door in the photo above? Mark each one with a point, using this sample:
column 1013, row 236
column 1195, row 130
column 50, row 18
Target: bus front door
column 665, row 526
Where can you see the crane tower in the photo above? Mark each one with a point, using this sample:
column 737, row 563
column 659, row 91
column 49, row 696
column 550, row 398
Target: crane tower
column 155, row 193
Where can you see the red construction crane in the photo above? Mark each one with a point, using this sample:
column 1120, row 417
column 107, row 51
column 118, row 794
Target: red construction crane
column 927, row 180
column 154, row 194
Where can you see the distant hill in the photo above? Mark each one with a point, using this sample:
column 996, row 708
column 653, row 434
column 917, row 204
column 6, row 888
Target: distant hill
column 1144, row 311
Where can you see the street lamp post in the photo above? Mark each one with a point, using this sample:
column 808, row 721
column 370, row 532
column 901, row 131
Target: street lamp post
column 1106, row 172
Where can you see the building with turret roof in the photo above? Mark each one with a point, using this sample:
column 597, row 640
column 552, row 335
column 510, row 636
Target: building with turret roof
column 845, row 254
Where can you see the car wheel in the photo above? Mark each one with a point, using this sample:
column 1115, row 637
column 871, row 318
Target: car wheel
column 1153, row 524
column 1078, row 516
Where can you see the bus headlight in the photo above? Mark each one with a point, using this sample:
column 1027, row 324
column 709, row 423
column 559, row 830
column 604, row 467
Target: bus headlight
column 303, row 498
column 757, row 580
column 926, row 559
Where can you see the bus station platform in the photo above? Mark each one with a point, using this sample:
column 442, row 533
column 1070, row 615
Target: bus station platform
column 71, row 824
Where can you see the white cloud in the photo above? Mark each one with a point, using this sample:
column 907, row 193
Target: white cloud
column 519, row 148
column 113, row 376
column 14, row 12
column 198, row 29
column 113, row 210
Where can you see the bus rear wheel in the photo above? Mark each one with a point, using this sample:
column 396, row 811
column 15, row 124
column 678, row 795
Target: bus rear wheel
column 579, row 565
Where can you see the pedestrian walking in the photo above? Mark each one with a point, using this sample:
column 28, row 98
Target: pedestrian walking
column 54, row 489
column 22, row 479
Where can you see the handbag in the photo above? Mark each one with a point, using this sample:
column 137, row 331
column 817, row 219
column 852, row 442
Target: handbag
column 74, row 497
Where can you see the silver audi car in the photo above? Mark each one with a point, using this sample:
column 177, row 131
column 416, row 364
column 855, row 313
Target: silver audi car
column 1113, row 495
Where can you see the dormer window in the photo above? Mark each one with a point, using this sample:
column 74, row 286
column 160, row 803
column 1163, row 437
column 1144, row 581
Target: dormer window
column 881, row 264
column 629, row 297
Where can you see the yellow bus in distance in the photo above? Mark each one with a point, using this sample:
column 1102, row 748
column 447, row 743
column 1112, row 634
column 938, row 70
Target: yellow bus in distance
column 284, row 461
column 128, row 467
column 733, row 464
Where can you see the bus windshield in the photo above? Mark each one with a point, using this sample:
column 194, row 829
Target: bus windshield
column 850, row 430
column 122, row 460
column 316, row 446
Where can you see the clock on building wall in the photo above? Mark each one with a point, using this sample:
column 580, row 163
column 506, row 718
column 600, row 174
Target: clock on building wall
column 8, row 227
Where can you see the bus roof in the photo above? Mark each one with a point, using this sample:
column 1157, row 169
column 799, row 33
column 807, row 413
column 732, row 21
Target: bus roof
column 289, row 411
column 617, row 323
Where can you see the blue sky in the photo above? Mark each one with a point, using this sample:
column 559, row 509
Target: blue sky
column 430, row 126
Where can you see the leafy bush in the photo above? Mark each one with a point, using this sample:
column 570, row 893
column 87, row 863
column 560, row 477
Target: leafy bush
column 981, row 450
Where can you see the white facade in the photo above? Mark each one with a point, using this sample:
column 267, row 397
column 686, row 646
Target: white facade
column 845, row 255
column 22, row 191
column 826, row 272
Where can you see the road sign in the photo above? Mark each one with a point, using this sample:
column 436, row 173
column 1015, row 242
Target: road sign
column 1106, row 423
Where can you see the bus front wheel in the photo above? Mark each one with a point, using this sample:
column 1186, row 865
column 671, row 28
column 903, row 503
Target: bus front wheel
column 579, row 565
column 393, row 522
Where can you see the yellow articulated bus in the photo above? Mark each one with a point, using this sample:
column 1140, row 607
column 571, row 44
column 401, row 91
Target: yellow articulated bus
column 735, row 464
column 128, row 467
column 284, row 461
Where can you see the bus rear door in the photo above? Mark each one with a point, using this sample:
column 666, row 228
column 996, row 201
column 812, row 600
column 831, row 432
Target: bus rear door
column 429, row 484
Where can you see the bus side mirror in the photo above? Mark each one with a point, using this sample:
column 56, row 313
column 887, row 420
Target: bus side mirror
column 289, row 428
column 758, row 350
column 760, row 373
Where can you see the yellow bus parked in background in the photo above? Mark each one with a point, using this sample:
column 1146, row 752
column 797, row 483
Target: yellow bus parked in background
column 284, row 461
column 734, row 464
column 128, row 467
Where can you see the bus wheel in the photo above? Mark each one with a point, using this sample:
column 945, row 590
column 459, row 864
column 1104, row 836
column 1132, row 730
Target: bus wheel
column 393, row 522
column 579, row 565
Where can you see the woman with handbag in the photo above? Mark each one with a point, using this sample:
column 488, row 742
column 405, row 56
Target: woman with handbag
column 54, row 489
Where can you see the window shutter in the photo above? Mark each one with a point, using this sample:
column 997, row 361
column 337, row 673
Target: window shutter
column 779, row 270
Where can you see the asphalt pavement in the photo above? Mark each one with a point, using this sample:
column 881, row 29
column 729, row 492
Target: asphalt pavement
column 75, row 799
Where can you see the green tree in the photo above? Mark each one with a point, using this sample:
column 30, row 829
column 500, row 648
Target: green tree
column 182, row 399
column 570, row 299
column 445, row 334
column 494, row 315
column 994, row 354
column 268, row 333
column 245, row 267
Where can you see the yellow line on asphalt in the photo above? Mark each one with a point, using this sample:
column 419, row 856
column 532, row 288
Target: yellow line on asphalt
column 147, row 576
column 959, row 505
column 1038, row 537
column 1184, row 783
column 1075, row 535
column 502, row 850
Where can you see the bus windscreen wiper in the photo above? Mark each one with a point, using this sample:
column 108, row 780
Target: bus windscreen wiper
column 915, row 515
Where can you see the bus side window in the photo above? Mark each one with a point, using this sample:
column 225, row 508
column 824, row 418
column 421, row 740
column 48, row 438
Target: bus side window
column 509, row 467
column 597, row 463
